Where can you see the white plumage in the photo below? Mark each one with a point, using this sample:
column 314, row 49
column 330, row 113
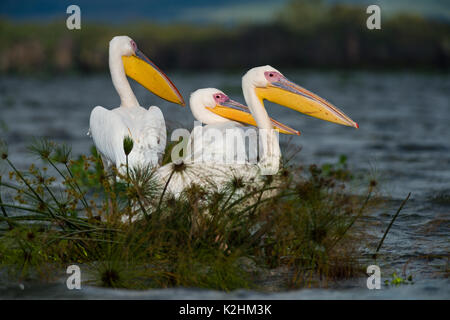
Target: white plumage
column 208, row 143
column 147, row 128
column 213, row 174
column 258, row 84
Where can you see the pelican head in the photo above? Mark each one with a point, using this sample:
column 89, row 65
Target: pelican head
column 211, row 106
column 268, row 83
column 138, row 67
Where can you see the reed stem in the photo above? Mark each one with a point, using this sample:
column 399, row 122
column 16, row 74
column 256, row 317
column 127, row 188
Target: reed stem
column 390, row 225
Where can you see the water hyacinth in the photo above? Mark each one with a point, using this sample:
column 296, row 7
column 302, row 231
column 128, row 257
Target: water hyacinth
column 133, row 233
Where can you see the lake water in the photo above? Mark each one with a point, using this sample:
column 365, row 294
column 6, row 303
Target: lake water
column 403, row 141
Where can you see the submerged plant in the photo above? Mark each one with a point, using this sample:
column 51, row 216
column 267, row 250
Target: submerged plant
column 130, row 232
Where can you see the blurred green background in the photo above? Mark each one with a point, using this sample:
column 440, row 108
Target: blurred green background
column 226, row 35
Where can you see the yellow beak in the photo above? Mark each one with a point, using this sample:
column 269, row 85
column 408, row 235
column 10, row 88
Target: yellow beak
column 291, row 95
column 141, row 69
column 235, row 111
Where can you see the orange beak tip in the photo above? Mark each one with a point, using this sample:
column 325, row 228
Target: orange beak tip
column 357, row 126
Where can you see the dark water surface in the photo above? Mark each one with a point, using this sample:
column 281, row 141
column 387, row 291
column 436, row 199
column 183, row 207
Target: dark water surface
column 403, row 142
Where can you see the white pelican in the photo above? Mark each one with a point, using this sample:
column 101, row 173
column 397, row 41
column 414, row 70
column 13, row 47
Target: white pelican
column 202, row 144
column 258, row 84
column 147, row 128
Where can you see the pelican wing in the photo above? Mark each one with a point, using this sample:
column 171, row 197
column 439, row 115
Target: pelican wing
column 155, row 126
column 147, row 128
column 148, row 131
column 108, row 130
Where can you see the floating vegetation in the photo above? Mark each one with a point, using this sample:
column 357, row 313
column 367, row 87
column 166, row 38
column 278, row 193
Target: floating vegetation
column 125, row 231
column 398, row 280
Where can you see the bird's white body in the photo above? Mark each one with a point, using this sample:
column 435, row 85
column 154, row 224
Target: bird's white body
column 146, row 127
column 204, row 146
column 215, row 175
column 258, row 84
column 208, row 143
column 109, row 127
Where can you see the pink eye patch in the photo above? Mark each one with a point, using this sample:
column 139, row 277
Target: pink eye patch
column 272, row 76
column 220, row 97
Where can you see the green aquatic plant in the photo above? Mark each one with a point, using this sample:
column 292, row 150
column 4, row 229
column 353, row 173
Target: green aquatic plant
column 126, row 230
column 88, row 170
column 398, row 280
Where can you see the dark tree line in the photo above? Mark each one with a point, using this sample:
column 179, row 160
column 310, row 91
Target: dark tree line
column 304, row 34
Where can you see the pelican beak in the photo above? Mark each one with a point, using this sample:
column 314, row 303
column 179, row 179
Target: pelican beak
column 291, row 95
column 235, row 111
column 144, row 71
